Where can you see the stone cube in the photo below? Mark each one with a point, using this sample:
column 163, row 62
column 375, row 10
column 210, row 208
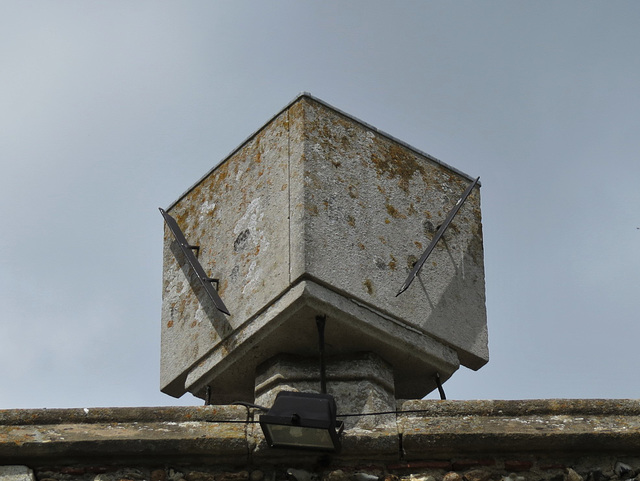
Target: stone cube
column 318, row 213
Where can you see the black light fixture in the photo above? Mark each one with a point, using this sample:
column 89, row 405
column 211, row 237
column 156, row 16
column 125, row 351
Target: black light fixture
column 300, row 420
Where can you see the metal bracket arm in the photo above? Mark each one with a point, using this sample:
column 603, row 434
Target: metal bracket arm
column 436, row 238
column 186, row 248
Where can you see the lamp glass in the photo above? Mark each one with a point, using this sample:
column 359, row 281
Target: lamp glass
column 298, row 436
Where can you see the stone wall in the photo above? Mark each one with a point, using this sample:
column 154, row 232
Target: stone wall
column 552, row 440
column 596, row 468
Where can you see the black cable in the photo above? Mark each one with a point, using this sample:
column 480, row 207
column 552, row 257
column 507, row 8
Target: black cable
column 320, row 323
column 250, row 405
column 440, row 389
column 411, row 411
column 385, row 412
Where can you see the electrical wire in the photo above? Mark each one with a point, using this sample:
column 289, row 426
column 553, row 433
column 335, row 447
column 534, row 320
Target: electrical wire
column 262, row 408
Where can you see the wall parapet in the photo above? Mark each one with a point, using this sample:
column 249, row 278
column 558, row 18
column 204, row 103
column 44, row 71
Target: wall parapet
column 533, row 426
column 544, row 431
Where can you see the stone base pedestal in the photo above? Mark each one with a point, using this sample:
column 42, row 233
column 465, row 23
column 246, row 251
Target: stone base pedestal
column 360, row 383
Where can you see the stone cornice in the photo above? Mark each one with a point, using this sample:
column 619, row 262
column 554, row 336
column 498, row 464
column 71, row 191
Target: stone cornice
column 229, row 434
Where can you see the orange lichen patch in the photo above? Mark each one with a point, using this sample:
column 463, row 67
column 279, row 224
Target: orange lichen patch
column 453, row 227
column 387, row 221
column 183, row 305
column 382, row 239
column 186, row 212
column 353, row 192
column 393, row 264
column 351, row 221
column 180, row 216
column 368, row 285
column 393, row 212
column 329, row 131
column 312, row 209
column 194, row 324
column 361, row 246
column 170, row 324
column 396, row 162
column 284, row 187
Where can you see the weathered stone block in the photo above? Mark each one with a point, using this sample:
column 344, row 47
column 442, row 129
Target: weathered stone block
column 16, row 473
column 318, row 213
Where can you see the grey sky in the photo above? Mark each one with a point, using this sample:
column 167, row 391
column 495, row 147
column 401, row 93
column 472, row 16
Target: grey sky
column 109, row 110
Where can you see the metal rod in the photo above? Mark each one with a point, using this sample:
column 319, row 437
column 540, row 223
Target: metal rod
column 320, row 323
column 193, row 262
column 436, row 238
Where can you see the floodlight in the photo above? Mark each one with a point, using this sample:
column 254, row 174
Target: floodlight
column 300, row 420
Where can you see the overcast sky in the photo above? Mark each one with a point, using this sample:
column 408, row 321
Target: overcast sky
column 109, row 110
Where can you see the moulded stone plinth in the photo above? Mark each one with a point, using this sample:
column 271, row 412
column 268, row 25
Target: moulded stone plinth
column 320, row 214
column 359, row 382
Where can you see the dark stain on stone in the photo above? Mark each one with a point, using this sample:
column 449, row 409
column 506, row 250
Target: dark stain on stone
column 241, row 241
column 234, row 273
column 429, row 228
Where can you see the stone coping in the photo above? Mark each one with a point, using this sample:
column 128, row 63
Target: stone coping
column 24, row 417
column 230, row 434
